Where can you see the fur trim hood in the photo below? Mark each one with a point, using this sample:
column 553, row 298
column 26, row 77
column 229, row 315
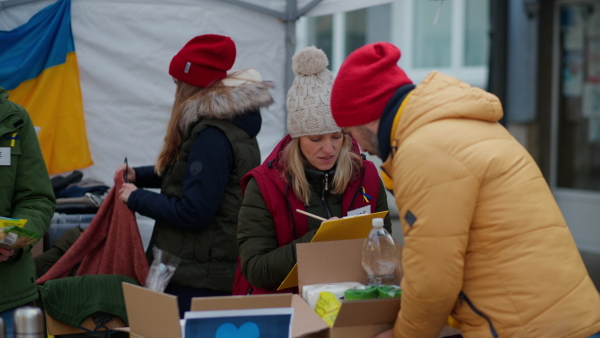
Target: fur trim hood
column 224, row 102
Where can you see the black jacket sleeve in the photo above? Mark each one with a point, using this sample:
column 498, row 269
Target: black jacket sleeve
column 145, row 177
column 202, row 191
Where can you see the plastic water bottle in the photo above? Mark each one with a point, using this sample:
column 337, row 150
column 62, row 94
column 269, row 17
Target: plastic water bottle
column 380, row 256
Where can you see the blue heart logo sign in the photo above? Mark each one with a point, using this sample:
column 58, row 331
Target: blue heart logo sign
column 247, row 330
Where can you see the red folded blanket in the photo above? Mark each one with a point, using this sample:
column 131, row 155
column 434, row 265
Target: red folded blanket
column 111, row 244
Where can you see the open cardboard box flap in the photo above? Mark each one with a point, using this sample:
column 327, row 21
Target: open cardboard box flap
column 151, row 314
column 330, row 262
column 305, row 320
column 156, row 315
column 340, row 261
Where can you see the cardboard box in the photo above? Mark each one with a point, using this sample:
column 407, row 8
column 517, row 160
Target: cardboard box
column 352, row 227
column 156, row 315
column 339, row 261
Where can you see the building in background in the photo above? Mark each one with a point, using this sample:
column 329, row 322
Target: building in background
column 448, row 36
column 541, row 58
column 567, row 124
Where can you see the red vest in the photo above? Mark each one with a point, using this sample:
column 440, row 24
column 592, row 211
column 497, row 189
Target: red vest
column 282, row 203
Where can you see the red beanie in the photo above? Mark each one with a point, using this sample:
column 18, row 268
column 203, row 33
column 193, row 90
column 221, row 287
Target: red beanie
column 365, row 83
column 204, row 60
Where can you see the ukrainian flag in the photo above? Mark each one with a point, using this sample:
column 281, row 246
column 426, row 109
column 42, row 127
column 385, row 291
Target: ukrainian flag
column 38, row 67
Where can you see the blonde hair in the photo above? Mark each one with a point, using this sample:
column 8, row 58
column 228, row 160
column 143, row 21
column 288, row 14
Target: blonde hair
column 187, row 98
column 348, row 167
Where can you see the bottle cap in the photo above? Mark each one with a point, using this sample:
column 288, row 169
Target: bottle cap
column 377, row 222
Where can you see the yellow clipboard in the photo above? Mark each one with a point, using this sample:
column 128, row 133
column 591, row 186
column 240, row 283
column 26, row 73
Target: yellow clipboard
column 351, row 227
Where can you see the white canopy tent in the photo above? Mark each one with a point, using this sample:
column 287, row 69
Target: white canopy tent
column 124, row 48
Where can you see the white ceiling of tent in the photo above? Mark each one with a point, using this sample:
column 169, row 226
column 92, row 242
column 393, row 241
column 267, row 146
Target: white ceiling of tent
column 322, row 8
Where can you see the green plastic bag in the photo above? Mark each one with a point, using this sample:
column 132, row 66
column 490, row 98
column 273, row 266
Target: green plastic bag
column 14, row 237
column 389, row 291
column 370, row 292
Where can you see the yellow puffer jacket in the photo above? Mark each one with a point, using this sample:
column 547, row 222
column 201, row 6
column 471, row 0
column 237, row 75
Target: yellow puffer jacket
column 485, row 240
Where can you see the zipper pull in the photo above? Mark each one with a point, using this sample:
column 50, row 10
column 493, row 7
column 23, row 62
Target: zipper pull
column 326, row 182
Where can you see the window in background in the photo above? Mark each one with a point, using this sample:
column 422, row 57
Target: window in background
column 447, row 36
column 578, row 146
column 355, row 34
column 477, row 40
column 319, row 33
column 340, row 34
column 432, row 34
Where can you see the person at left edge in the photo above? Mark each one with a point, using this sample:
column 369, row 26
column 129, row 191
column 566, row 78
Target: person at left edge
column 209, row 145
column 25, row 193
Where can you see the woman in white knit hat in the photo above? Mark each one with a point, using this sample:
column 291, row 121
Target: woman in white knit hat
column 316, row 168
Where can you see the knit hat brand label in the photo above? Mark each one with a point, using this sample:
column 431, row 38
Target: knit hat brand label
column 187, row 67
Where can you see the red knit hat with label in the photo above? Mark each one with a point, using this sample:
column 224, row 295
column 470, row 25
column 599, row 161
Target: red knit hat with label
column 204, row 60
column 365, row 83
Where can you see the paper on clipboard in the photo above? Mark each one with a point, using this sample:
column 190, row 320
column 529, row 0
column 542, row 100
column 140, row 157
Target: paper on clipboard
column 351, row 227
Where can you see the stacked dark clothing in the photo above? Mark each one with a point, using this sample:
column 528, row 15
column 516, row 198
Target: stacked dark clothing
column 61, row 182
column 76, row 195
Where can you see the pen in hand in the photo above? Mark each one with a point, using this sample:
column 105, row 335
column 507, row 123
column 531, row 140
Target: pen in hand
column 126, row 170
column 311, row 215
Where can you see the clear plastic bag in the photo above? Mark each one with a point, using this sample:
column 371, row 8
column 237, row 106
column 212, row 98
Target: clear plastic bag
column 161, row 270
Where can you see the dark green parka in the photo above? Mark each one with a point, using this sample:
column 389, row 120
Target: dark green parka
column 25, row 193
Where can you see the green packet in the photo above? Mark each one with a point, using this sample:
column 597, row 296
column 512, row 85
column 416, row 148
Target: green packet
column 389, row 291
column 369, row 292
column 14, row 237
column 373, row 292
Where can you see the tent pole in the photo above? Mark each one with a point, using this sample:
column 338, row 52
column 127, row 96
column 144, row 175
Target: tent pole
column 289, row 18
column 293, row 14
column 268, row 11
column 290, row 48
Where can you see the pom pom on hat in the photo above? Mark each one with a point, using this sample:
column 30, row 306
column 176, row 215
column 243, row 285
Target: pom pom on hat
column 204, row 60
column 367, row 80
column 308, row 99
column 309, row 61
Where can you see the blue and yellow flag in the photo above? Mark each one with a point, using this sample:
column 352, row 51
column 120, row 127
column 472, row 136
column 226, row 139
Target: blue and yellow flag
column 38, row 67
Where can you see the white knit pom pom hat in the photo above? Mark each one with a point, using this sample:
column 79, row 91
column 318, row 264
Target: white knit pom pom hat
column 308, row 99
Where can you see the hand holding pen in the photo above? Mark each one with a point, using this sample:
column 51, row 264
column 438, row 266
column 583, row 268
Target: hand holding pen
column 129, row 177
column 127, row 172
